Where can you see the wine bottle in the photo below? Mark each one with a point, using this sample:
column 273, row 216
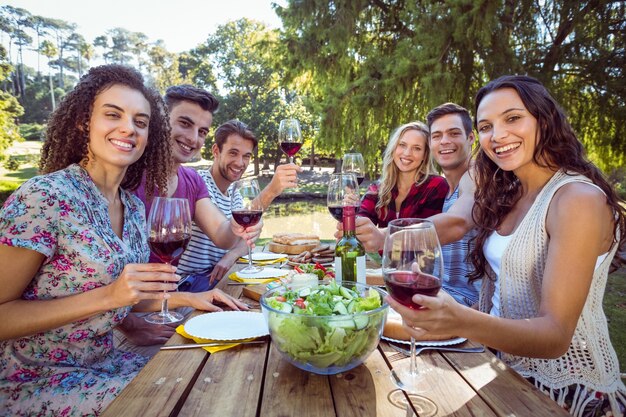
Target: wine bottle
column 349, row 252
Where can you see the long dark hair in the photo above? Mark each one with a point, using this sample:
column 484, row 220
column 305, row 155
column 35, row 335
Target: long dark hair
column 498, row 191
column 67, row 134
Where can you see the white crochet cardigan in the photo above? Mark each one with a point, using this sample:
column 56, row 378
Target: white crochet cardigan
column 590, row 360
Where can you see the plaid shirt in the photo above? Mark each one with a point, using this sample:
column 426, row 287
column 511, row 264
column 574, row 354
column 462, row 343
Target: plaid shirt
column 422, row 201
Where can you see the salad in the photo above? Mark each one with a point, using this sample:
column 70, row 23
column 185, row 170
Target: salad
column 326, row 325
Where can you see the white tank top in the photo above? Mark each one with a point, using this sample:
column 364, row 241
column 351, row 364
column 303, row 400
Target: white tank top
column 494, row 249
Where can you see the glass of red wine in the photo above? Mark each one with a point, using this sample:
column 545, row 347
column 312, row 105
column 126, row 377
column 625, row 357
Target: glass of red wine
column 247, row 211
column 343, row 190
column 412, row 264
column 169, row 232
column 290, row 137
column 353, row 162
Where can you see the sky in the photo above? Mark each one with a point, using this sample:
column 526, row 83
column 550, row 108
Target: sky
column 190, row 21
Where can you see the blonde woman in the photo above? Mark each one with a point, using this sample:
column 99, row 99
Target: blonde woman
column 408, row 186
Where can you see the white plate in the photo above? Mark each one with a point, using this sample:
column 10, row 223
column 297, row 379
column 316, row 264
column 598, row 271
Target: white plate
column 454, row 341
column 449, row 342
column 266, row 272
column 265, row 256
column 227, row 325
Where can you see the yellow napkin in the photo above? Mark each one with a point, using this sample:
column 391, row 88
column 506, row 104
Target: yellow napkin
column 268, row 262
column 237, row 278
column 211, row 349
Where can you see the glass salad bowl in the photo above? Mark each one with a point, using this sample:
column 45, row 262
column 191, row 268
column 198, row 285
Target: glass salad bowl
column 325, row 328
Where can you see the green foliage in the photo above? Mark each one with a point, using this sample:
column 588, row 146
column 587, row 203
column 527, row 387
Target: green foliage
column 615, row 309
column 10, row 109
column 367, row 66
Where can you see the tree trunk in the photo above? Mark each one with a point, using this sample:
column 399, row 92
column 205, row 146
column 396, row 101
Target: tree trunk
column 256, row 162
column 51, row 91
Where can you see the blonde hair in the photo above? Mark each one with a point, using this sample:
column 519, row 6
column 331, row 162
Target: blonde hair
column 389, row 175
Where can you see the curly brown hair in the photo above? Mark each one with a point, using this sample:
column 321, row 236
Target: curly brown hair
column 498, row 191
column 67, row 133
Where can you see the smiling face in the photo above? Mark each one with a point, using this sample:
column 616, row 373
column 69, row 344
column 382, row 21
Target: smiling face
column 507, row 132
column 450, row 145
column 118, row 127
column 231, row 162
column 410, row 151
column 190, row 126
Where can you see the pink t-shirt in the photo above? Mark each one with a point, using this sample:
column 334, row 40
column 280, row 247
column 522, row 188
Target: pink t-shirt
column 190, row 186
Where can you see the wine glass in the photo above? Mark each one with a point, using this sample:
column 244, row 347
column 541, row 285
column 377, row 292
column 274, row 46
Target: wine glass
column 353, row 162
column 343, row 190
column 247, row 211
column 169, row 232
column 412, row 264
column 290, row 137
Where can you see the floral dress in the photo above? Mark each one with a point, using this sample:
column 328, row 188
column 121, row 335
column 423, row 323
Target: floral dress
column 71, row 370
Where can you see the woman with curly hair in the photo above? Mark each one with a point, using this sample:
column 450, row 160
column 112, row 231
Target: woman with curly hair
column 407, row 186
column 73, row 248
column 549, row 224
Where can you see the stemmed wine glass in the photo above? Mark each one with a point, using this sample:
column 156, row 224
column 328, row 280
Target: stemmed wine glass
column 353, row 162
column 290, row 137
column 169, row 232
column 412, row 264
column 343, row 190
column 247, row 211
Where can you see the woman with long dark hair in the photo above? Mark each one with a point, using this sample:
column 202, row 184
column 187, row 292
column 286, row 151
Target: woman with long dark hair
column 549, row 224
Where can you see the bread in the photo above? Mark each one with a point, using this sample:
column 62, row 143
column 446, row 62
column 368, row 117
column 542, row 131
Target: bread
column 393, row 329
column 295, row 238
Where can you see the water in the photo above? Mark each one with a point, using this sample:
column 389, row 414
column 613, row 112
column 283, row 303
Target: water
column 310, row 216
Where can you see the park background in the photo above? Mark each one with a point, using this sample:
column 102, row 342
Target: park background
column 349, row 70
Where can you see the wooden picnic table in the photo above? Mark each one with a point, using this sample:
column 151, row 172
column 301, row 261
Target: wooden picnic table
column 253, row 380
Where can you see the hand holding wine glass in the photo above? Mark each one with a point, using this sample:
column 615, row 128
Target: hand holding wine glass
column 247, row 211
column 290, row 137
column 412, row 264
column 169, row 232
column 343, row 190
column 353, row 162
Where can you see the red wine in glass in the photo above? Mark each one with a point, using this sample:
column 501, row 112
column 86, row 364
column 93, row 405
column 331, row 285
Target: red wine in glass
column 360, row 178
column 336, row 212
column 171, row 249
column 403, row 285
column 290, row 148
column 247, row 218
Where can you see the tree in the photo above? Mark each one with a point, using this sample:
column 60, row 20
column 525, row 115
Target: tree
column 243, row 52
column 49, row 51
column 163, row 67
column 368, row 65
column 121, row 46
column 17, row 21
column 10, row 108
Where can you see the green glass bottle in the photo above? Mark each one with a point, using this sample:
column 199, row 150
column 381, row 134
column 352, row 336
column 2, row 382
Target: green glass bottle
column 349, row 252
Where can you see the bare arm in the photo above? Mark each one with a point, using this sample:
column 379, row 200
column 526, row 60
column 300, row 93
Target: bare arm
column 457, row 221
column 21, row 317
column 227, row 261
column 286, row 176
column 569, row 265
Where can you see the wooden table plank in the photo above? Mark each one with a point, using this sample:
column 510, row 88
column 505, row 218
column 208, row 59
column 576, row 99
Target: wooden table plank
column 290, row 391
column 506, row 392
column 162, row 385
column 442, row 384
column 229, row 384
column 365, row 390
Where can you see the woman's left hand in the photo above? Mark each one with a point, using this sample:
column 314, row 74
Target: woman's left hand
column 207, row 301
column 249, row 234
column 439, row 314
